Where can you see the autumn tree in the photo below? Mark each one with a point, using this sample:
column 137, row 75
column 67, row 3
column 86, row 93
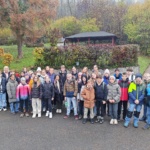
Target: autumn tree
column 26, row 17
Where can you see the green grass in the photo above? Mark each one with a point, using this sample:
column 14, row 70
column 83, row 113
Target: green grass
column 28, row 60
column 143, row 62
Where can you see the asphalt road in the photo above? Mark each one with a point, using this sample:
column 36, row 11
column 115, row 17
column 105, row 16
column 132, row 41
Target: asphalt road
column 59, row 134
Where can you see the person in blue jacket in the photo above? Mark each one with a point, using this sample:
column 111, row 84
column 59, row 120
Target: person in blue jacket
column 136, row 95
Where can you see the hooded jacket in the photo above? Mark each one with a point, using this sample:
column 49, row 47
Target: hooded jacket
column 136, row 91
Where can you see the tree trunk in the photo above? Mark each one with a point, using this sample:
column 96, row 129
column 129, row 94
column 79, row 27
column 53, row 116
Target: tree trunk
column 19, row 46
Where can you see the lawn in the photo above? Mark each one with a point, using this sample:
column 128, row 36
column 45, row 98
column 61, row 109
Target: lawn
column 143, row 62
column 28, row 60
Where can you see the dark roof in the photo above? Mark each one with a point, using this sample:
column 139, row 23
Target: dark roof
column 98, row 34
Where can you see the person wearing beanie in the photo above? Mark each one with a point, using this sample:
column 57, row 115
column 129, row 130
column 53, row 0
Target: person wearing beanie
column 114, row 93
column 23, row 95
column 101, row 97
column 136, row 95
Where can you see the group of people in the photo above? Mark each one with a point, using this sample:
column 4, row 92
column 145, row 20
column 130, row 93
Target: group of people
column 89, row 96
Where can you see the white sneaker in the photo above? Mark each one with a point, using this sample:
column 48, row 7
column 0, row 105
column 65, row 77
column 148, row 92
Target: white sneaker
column 60, row 111
column 112, row 121
column 50, row 115
column 34, row 116
column 47, row 113
column 57, row 110
column 4, row 109
column 115, row 121
column 44, row 109
column 0, row 109
column 39, row 115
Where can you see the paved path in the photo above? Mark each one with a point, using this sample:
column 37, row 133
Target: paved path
column 59, row 134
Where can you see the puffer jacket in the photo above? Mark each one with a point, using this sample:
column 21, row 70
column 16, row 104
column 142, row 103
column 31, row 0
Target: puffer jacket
column 48, row 90
column 11, row 90
column 136, row 92
column 114, row 92
column 36, row 92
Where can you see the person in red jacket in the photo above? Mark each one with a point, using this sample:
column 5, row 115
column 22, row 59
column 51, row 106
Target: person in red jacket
column 124, row 85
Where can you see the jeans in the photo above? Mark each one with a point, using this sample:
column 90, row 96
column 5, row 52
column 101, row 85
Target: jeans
column 36, row 105
column 24, row 104
column 148, row 115
column 124, row 103
column 2, row 100
column 74, row 102
column 100, row 108
column 131, row 109
column 113, row 108
column 86, row 113
column 14, row 107
column 48, row 102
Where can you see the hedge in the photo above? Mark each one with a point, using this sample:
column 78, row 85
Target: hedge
column 104, row 57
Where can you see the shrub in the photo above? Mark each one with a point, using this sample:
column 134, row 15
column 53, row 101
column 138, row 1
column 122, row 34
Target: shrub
column 118, row 56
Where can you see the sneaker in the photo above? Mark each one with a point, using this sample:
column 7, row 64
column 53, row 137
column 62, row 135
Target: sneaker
column 76, row 117
column 27, row 114
column 66, row 117
column 126, row 124
column 112, row 121
column 92, row 121
column 60, row 111
column 147, row 126
column 4, row 109
column 39, row 115
column 13, row 113
column 44, row 109
column 21, row 115
column 119, row 119
column 101, row 121
column 135, row 124
column 84, row 121
column 0, row 109
column 115, row 121
column 34, row 116
column 50, row 115
column 80, row 117
column 47, row 113
column 57, row 110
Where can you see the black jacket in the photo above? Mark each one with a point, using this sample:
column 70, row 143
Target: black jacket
column 48, row 90
column 63, row 76
column 101, row 91
column 56, row 90
column 3, row 84
column 36, row 92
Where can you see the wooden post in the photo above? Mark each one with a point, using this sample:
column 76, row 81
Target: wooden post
column 113, row 41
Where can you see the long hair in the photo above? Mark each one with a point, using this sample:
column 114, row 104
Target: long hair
column 38, row 81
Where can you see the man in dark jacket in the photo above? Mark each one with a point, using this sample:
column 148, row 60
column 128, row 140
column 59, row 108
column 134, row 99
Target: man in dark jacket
column 101, row 97
column 2, row 93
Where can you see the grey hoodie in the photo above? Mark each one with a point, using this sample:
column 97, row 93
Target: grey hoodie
column 114, row 92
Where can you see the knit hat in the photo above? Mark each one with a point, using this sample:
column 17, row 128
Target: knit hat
column 107, row 71
column 138, row 75
column 23, row 79
column 39, row 69
column 112, row 77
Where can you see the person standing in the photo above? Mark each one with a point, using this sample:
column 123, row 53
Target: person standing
column 136, row 95
column 11, row 90
column 36, row 96
column 23, row 95
column 114, row 93
column 70, row 93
